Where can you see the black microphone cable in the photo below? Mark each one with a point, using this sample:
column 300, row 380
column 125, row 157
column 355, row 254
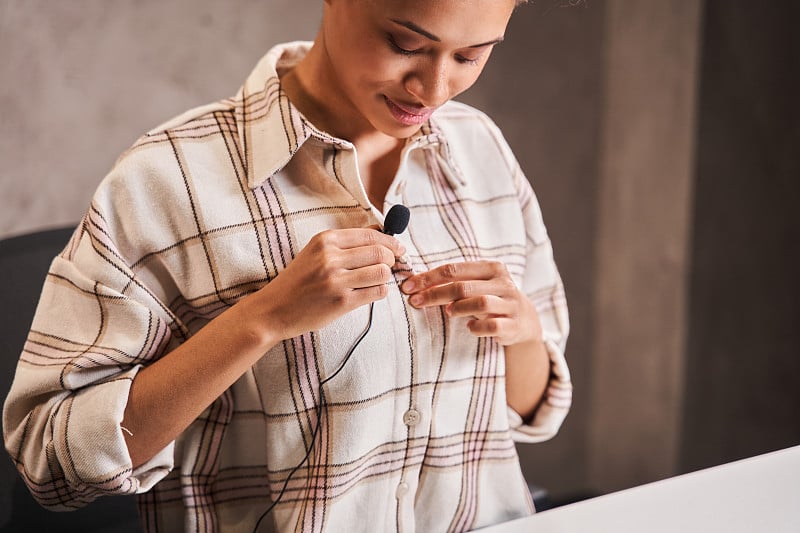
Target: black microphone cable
column 322, row 403
column 395, row 222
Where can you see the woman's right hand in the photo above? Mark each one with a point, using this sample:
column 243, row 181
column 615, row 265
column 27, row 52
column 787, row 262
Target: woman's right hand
column 336, row 272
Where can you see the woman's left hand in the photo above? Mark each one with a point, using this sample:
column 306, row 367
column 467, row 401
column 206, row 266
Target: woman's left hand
column 482, row 290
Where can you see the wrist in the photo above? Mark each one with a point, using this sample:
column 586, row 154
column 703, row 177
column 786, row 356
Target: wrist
column 253, row 322
column 533, row 334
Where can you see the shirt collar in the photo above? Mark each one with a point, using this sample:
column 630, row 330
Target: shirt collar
column 271, row 130
column 266, row 118
column 432, row 137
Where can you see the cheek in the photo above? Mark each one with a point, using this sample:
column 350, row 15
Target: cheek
column 371, row 64
column 356, row 62
column 359, row 57
column 379, row 70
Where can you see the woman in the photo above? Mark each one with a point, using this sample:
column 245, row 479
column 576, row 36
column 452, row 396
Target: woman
column 193, row 342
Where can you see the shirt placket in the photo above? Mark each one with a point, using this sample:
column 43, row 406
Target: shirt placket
column 427, row 324
column 416, row 417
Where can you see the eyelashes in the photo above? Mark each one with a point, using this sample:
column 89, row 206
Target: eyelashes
column 399, row 49
column 412, row 52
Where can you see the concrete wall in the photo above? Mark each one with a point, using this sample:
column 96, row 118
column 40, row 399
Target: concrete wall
column 82, row 80
column 643, row 226
column 598, row 98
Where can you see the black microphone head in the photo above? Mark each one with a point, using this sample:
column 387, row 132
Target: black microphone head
column 396, row 220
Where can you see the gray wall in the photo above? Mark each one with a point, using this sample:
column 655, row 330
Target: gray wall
column 743, row 351
column 609, row 107
column 83, row 79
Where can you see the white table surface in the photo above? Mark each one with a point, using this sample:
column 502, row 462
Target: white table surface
column 759, row 494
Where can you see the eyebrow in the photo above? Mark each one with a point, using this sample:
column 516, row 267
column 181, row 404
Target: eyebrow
column 425, row 33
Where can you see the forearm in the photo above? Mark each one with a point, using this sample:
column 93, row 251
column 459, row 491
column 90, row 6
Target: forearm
column 168, row 395
column 337, row 271
column 527, row 375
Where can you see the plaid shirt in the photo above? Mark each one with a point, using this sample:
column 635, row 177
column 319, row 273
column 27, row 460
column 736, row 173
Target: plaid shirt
column 208, row 208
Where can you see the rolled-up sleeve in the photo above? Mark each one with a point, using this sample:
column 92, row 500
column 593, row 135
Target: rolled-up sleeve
column 554, row 406
column 543, row 286
column 96, row 325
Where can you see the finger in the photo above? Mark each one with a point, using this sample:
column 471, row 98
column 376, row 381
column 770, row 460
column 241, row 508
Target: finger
column 454, row 272
column 456, row 291
column 357, row 237
column 365, row 256
column 499, row 327
column 367, row 295
column 367, row 276
column 354, row 298
column 444, row 294
column 480, row 306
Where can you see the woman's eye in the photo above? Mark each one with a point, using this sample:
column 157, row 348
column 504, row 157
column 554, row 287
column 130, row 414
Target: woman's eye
column 400, row 49
column 468, row 60
column 410, row 50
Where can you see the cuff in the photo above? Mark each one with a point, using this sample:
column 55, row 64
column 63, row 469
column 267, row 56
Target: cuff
column 91, row 447
column 554, row 406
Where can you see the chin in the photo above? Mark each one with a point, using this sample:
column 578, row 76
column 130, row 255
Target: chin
column 401, row 132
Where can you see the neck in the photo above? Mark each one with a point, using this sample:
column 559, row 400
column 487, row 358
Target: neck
column 313, row 88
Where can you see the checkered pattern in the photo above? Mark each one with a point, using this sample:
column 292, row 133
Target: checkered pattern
column 207, row 209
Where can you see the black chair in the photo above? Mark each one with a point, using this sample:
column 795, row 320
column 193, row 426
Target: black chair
column 24, row 261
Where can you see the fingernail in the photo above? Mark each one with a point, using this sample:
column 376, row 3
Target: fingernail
column 401, row 251
column 408, row 286
column 416, row 299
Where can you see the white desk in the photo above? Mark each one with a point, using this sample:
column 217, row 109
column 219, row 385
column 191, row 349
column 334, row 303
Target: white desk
column 759, row 494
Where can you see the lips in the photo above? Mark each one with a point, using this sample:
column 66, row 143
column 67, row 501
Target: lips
column 408, row 115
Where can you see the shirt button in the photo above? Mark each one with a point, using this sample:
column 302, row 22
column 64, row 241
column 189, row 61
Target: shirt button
column 411, row 417
column 402, row 490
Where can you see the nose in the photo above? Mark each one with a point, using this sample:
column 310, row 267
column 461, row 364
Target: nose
column 429, row 83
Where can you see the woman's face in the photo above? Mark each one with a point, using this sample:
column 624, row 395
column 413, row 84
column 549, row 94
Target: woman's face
column 395, row 61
